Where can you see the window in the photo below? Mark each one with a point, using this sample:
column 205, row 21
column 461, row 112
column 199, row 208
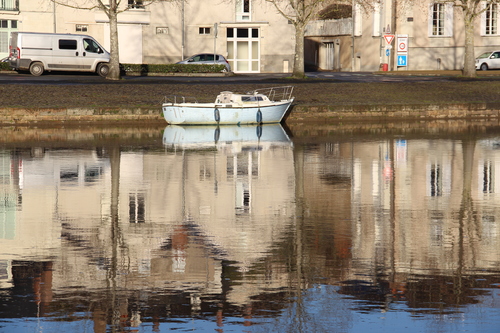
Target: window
column 204, row 31
column 161, row 30
column 438, row 19
column 242, row 10
column 9, row 5
column 136, row 208
column 435, row 180
column 82, row 28
column 489, row 20
column 6, row 27
column 488, row 177
column 441, row 20
column 67, row 44
column 90, row 45
column 135, row 4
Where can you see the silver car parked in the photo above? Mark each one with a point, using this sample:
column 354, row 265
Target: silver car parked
column 488, row 60
column 206, row 59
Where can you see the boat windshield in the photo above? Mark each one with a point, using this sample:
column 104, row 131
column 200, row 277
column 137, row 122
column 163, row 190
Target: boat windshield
column 251, row 98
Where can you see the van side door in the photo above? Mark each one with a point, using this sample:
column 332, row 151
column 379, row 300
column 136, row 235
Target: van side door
column 66, row 55
column 92, row 54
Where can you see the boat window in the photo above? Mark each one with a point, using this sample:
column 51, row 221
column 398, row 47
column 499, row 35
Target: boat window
column 251, row 98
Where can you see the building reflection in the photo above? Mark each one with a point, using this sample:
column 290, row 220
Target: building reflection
column 415, row 219
column 187, row 223
column 241, row 221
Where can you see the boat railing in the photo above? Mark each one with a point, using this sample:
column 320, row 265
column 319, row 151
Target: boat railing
column 177, row 99
column 282, row 93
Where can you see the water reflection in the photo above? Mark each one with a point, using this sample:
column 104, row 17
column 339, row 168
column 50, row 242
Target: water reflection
column 249, row 229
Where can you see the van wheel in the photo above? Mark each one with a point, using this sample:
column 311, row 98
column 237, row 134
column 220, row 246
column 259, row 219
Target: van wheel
column 36, row 69
column 103, row 70
column 484, row 67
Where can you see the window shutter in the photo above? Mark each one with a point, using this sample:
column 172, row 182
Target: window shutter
column 483, row 20
column 429, row 19
column 376, row 20
column 358, row 20
column 448, row 20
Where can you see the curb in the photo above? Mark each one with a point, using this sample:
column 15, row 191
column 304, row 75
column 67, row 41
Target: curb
column 298, row 113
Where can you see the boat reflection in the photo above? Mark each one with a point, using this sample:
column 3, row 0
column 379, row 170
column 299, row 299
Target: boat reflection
column 229, row 136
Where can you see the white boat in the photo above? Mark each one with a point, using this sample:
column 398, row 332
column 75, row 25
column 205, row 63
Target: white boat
column 268, row 105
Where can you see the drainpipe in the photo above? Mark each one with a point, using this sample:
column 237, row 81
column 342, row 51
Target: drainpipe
column 352, row 36
column 183, row 33
column 394, row 32
column 55, row 20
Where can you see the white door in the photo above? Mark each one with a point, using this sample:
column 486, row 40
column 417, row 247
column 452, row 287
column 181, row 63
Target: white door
column 243, row 49
column 129, row 43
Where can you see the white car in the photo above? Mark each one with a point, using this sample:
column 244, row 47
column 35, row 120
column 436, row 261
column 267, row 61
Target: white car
column 488, row 60
column 206, row 59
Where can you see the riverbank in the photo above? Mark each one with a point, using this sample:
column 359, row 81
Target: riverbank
column 315, row 100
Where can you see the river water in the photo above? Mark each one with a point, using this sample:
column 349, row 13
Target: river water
column 307, row 228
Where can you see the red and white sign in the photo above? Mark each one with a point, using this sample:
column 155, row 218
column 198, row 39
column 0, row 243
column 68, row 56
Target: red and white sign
column 388, row 38
column 402, row 43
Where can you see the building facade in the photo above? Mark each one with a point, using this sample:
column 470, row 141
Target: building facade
column 424, row 36
column 251, row 34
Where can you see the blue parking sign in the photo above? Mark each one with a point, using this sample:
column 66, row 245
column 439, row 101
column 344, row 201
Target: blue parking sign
column 402, row 60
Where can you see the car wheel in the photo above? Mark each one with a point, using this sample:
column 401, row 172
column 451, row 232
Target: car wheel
column 484, row 67
column 36, row 69
column 103, row 70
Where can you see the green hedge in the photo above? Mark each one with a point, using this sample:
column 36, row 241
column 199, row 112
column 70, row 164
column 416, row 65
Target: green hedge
column 4, row 66
column 144, row 68
column 171, row 68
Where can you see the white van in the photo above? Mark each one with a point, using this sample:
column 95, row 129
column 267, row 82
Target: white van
column 39, row 52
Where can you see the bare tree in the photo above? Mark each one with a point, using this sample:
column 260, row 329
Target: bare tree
column 471, row 10
column 299, row 13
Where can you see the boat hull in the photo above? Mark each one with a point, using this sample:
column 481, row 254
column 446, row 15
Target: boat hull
column 213, row 114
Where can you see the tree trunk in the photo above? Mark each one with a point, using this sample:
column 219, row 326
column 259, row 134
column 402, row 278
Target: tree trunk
column 114, row 61
column 469, row 57
column 298, row 61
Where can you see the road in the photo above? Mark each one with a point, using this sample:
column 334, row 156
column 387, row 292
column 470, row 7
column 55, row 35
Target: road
column 85, row 78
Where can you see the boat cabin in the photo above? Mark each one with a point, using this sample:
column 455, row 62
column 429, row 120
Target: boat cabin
column 228, row 97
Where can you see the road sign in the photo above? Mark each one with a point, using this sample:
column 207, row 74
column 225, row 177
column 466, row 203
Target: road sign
column 388, row 38
column 402, row 43
column 402, row 59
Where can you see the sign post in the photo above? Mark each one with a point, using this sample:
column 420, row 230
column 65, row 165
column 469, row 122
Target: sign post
column 388, row 39
column 402, row 50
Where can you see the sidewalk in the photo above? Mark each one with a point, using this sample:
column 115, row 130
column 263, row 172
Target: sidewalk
column 437, row 73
